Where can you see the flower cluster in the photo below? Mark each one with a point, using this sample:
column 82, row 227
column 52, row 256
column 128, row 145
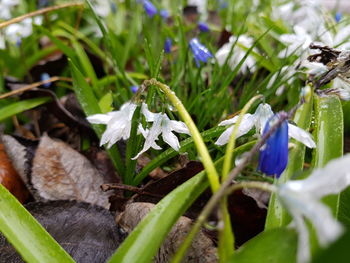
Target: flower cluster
column 119, row 127
column 274, row 154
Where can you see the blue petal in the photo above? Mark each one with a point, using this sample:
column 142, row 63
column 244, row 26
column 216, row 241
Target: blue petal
column 167, row 45
column 200, row 52
column 203, row 27
column 150, row 9
column 274, row 156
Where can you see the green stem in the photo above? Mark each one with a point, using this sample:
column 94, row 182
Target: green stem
column 232, row 141
column 210, row 206
column 212, row 174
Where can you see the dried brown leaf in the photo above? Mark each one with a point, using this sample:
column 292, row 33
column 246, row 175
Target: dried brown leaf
column 61, row 173
column 10, row 178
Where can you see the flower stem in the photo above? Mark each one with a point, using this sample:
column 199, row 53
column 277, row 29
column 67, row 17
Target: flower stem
column 232, row 141
column 212, row 174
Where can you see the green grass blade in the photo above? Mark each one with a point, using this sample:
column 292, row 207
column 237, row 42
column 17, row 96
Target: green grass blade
column 273, row 246
column 329, row 132
column 29, row 238
column 20, row 106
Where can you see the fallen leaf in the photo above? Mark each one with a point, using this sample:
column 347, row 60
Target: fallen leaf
column 10, row 178
column 202, row 249
column 61, row 173
column 87, row 232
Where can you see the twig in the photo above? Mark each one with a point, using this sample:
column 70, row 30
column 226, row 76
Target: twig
column 38, row 12
column 34, row 85
column 106, row 187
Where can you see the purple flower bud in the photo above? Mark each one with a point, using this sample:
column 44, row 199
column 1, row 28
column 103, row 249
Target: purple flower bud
column 203, row 27
column 200, row 52
column 273, row 157
column 167, row 45
column 338, row 17
column 150, row 9
column 164, row 14
column 45, row 76
column 134, row 89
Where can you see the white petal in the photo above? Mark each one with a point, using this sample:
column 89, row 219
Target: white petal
column 152, row 136
column 150, row 116
column 301, row 136
column 245, row 126
column 224, row 137
column 328, row 229
column 230, row 121
column 262, row 114
column 99, row 118
column 178, row 126
column 303, row 251
column 331, row 179
column 171, row 140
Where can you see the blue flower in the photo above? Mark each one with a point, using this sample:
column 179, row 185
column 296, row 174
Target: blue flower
column 164, row 13
column 203, row 27
column 45, row 76
column 150, row 9
column 200, row 52
column 167, row 45
column 134, row 89
column 274, row 154
column 338, row 17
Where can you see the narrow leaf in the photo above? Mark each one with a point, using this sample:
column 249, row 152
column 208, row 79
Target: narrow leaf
column 28, row 237
column 20, row 106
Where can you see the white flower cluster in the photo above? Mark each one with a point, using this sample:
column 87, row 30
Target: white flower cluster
column 259, row 119
column 119, row 127
column 15, row 32
column 235, row 50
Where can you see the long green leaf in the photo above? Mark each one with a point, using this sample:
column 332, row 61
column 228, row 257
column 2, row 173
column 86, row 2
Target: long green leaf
column 29, row 238
column 272, row 246
column 329, row 132
column 143, row 243
column 20, row 106
column 277, row 215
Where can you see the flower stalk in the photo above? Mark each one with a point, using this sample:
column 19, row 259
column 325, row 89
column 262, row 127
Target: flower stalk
column 212, row 174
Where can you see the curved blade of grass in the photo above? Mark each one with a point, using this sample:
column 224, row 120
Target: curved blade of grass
column 143, row 243
column 277, row 215
column 90, row 105
column 329, row 136
column 20, row 106
column 273, row 246
column 29, row 238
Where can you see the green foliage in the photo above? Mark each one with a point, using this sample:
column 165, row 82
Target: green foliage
column 28, row 237
column 272, row 246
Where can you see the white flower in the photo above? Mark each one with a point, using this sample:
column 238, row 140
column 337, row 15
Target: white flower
column 102, row 7
column 262, row 114
column 237, row 53
column 162, row 125
column 296, row 43
column 302, row 198
column 118, row 123
column 5, row 8
column 201, row 7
